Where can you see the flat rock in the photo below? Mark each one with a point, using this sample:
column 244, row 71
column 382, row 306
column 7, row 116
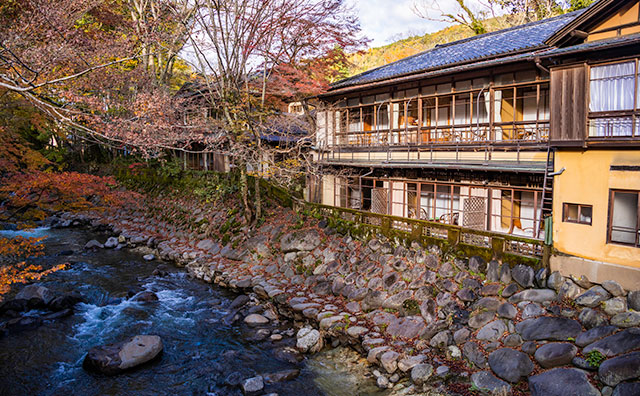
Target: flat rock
column 357, row 331
column 486, row 381
column 471, row 351
column 115, row 358
column 562, row 382
column 407, row 327
column 510, row 365
column 410, row 362
column 533, row 295
column 616, row 344
column 300, row 241
column 594, row 334
column 621, row 368
column 555, row 354
column 35, row 292
column 280, row 376
column 256, row 320
column 507, row 311
column 548, row 328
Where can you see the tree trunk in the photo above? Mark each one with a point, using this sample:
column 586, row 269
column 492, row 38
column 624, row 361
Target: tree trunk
column 244, row 188
column 258, row 199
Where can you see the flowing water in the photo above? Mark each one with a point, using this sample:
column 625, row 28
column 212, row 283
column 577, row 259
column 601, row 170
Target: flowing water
column 200, row 350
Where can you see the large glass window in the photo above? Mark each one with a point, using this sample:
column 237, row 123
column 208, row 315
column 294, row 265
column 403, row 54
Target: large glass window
column 623, row 219
column 612, row 90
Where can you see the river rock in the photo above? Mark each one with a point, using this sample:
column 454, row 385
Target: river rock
column 593, row 297
column 115, row 358
column 111, row 243
column 548, row 328
column 627, row 389
column 534, row 295
column 523, row 275
column 421, row 373
column 255, row 320
column 480, row 319
column 507, row 311
column 555, row 354
column 594, row 334
column 309, row 340
column 38, row 293
column 145, row 297
column 486, row 381
column 149, row 257
column 621, row 368
column 252, row 386
column 633, row 300
column 410, row 362
column 471, row 351
column 614, row 288
column 591, row 318
column 280, row 376
column 510, row 365
column 300, row 241
column 616, row 344
column 555, row 280
column 389, row 361
column 569, row 290
column 407, row 327
column 492, row 331
column 93, row 244
column 562, row 382
column 626, row 319
column 614, row 306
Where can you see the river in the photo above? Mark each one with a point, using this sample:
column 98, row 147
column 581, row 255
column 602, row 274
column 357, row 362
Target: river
column 200, row 350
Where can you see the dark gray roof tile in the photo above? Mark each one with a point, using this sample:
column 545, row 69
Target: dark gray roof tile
column 517, row 39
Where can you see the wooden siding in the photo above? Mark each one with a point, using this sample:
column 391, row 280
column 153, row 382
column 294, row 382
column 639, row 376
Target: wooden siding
column 569, row 104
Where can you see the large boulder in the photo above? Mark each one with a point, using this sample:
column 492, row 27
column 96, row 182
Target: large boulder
column 35, row 293
column 510, row 365
column 548, row 328
column 621, row 368
column 562, row 382
column 115, row 358
column 300, row 241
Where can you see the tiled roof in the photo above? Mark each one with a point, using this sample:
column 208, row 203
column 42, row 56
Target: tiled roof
column 517, row 39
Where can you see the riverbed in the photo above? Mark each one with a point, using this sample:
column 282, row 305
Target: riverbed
column 200, row 352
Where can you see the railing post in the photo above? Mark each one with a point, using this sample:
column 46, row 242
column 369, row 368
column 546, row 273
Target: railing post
column 386, row 226
column 453, row 236
column 497, row 246
column 416, row 232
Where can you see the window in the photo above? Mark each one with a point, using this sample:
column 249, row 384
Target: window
column 623, row 217
column 613, row 98
column 576, row 213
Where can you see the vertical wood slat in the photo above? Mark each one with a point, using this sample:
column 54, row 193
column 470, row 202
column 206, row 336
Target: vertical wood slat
column 568, row 104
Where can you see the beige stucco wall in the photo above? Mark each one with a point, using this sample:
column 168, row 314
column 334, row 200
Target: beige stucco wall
column 587, row 180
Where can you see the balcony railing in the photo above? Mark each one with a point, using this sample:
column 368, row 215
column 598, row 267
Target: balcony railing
column 520, row 132
column 614, row 126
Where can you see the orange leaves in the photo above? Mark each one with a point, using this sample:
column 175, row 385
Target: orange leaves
column 35, row 195
column 21, row 247
column 23, row 273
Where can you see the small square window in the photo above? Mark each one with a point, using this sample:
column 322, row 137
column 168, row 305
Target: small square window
column 577, row 213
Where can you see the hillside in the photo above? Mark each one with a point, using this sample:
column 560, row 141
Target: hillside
column 379, row 56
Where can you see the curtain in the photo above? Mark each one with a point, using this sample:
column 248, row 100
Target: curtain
column 612, row 87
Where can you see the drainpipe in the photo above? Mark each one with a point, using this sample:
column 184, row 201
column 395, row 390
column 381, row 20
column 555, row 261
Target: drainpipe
column 558, row 173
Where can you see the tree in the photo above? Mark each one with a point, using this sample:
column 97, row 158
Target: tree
column 462, row 15
column 249, row 51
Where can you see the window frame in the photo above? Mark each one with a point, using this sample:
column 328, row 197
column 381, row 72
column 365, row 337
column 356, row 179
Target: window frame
column 612, row 192
column 634, row 113
column 565, row 218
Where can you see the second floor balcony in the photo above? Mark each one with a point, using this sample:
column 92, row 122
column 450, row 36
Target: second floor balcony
column 512, row 115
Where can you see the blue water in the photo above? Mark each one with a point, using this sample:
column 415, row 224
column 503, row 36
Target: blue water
column 200, row 350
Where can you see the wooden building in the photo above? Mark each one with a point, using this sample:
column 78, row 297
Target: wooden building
column 498, row 132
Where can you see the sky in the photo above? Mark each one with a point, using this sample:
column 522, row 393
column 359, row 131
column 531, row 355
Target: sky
column 386, row 21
